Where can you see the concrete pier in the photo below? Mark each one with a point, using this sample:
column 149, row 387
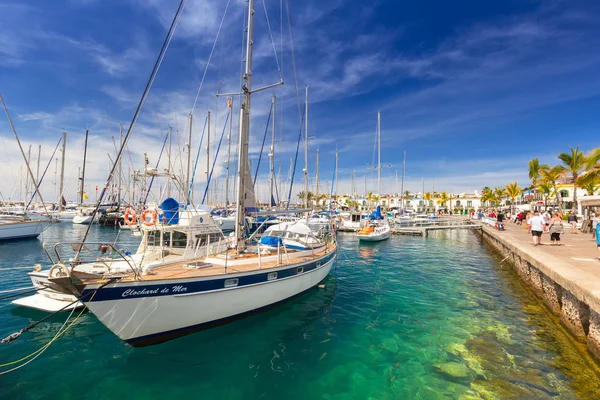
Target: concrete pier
column 565, row 277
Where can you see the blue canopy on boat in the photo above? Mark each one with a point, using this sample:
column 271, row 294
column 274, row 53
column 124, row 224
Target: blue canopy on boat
column 376, row 214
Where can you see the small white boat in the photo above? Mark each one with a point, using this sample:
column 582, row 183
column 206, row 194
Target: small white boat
column 83, row 219
column 19, row 228
column 375, row 231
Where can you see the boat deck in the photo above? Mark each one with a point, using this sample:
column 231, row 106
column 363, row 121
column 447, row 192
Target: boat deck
column 184, row 269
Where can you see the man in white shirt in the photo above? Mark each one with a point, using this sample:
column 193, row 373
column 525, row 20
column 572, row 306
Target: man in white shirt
column 536, row 227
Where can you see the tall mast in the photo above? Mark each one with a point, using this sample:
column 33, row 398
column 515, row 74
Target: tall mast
column 336, row 174
column 169, row 163
column 230, row 105
column 272, row 153
column 26, row 179
column 240, row 217
column 317, row 180
column 378, row 153
column 403, row 175
column 188, row 189
column 120, row 168
column 207, row 157
column 37, row 174
column 62, row 172
column 306, row 149
column 83, row 169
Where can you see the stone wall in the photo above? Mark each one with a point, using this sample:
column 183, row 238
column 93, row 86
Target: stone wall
column 577, row 312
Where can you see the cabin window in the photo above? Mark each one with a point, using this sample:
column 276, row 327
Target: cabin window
column 272, row 276
column 153, row 238
column 231, row 282
column 179, row 239
column 215, row 237
column 299, row 270
column 166, row 237
column 201, row 239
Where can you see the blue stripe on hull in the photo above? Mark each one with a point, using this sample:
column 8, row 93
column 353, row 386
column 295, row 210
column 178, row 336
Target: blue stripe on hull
column 121, row 292
column 156, row 338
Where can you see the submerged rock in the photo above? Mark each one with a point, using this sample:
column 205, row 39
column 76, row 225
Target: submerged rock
column 453, row 369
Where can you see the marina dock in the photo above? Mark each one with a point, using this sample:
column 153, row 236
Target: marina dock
column 444, row 224
column 565, row 277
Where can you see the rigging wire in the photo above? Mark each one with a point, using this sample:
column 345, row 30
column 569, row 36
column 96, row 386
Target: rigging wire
column 272, row 41
column 287, row 6
column 215, row 159
column 263, row 146
column 295, row 162
column 198, row 157
column 40, row 179
column 157, row 163
column 210, row 55
column 138, row 110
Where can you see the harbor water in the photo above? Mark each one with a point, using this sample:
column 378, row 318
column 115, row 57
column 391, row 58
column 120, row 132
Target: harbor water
column 409, row 318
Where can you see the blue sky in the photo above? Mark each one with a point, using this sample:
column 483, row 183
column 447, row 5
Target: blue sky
column 471, row 90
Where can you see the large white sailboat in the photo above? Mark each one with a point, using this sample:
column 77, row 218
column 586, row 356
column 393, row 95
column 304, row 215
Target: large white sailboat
column 147, row 305
column 377, row 227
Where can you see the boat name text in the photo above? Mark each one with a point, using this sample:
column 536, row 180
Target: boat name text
column 150, row 292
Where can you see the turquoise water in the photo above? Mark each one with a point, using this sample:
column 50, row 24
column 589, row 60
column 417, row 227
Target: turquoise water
column 410, row 318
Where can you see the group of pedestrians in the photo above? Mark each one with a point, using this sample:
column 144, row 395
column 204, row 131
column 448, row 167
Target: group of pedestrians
column 545, row 223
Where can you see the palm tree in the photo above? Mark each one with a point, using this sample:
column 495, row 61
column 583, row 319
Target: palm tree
column 487, row 197
column 592, row 164
column 551, row 177
column 545, row 188
column 427, row 197
column 513, row 190
column 573, row 162
column 443, row 198
column 535, row 172
column 499, row 193
column 371, row 197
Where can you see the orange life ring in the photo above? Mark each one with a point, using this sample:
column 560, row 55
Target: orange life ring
column 130, row 217
column 153, row 217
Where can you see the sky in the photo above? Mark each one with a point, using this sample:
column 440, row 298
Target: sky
column 470, row 90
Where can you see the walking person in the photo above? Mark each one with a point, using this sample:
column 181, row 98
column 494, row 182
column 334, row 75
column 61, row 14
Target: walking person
column 556, row 229
column 598, row 238
column 595, row 219
column 547, row 217
column 572, row 219
column 536, row 227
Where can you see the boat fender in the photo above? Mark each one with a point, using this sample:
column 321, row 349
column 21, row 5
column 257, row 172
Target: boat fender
column 59, row 271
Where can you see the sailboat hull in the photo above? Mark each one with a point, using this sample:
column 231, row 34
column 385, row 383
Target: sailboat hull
column 374, row 237
column 21, row 230
column 179, row 307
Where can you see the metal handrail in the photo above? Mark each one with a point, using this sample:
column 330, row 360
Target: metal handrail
column 84, row 246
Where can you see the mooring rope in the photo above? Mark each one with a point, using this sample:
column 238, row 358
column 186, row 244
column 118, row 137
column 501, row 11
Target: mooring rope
column 60, row 332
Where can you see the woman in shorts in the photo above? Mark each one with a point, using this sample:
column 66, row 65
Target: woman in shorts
column 555, row 229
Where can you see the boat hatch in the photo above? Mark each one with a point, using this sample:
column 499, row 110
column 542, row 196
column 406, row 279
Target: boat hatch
column 198, row 264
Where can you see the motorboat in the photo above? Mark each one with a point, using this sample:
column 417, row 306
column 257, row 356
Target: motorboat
column 375, row 229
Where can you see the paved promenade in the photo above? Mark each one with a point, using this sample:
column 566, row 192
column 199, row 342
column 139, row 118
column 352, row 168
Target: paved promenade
column 578, row 250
